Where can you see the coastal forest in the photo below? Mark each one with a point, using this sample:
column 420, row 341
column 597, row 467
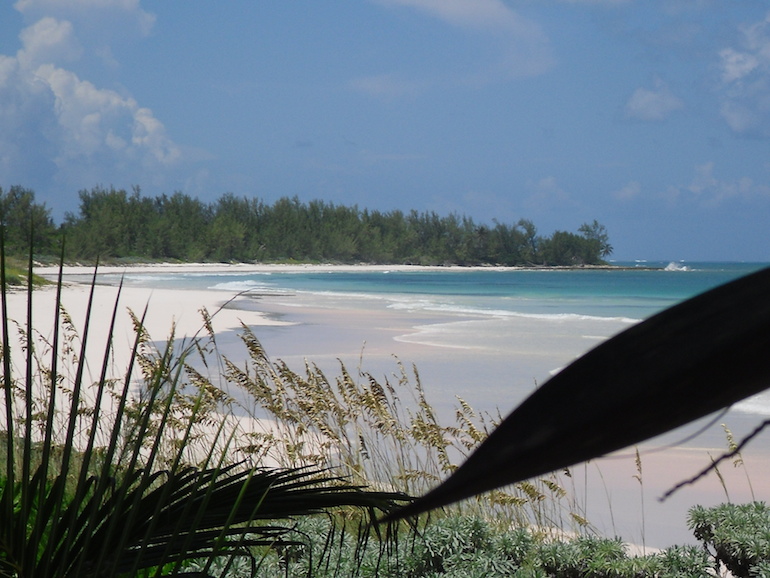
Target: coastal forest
column 115, row 224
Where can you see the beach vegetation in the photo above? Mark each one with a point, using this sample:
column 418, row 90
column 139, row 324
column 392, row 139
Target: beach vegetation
column 460, row 546
column 113, row 224
column 16, row 275
column 596, row 233
column 736, row 535
column 26, row 222
column 135, row 473
column 190, row 462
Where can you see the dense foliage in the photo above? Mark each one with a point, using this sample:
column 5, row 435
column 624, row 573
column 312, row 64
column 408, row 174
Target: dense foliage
column 736, row 535
column 470, row 547
column 115, row 224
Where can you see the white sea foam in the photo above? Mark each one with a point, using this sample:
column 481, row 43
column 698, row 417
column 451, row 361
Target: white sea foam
column 249, row 285
column 142, row 278
column 319, row 299
column 756, row 405
column 114, row 278
column 345, row 295
column 445, row 305
column 674, row 266
column 429, row 305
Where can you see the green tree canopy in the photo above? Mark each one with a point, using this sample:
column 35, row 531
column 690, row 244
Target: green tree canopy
column 21, row 217
column 113, row 223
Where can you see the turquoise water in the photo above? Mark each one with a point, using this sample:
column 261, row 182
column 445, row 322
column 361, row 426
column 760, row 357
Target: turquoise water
column 490, row 336
column 513, row 327
column 634, row 293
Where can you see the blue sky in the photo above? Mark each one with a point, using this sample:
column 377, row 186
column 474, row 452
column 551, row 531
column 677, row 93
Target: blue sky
column 652, row 117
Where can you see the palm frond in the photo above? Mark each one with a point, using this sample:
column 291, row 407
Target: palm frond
column 684, row 363
column 71, row 506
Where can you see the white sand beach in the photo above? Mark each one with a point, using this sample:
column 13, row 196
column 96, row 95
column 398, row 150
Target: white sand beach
column 293, row 330
column 164, row 309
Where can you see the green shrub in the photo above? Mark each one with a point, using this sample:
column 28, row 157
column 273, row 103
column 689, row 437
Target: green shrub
column 467, row 546
column 737, row 535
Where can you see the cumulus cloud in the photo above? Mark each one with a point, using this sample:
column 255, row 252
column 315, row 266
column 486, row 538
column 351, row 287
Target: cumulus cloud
column 629, row 191
column 707, row 190
column 48, row 40
column 97, row 121
column 56, row 127
column 96, row 14
column 745, row 81
column 523, row 49
column 652, row 104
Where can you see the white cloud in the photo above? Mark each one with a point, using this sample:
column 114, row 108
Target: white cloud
column 57, row 127
column 735, row 65
column 113, row 16
column 745, row 81
column 27, row 125
column 48, row 40
column 706, row 190
column 523, row 48
column 96, row 122
column 652, row 104
column 629, row 191
column 148, row 133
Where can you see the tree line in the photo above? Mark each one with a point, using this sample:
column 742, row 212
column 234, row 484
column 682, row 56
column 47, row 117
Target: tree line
column 116, row 224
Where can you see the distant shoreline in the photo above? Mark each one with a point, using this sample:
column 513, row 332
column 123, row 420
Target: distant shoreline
column 77, row 268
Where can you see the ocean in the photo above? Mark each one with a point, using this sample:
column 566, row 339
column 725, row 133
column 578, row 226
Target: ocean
column 491, row 336
column 633, row 290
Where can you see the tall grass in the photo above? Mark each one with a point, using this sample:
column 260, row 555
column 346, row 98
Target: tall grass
column 136, row 472
column 190, row 461
column 107, row 470
column 382, row 432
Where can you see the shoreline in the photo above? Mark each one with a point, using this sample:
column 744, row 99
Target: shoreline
column 80, row 269
column 166, row 310
column 325, row 335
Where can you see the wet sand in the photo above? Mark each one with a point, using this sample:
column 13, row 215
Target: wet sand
column 615, row 502
column 371, row 336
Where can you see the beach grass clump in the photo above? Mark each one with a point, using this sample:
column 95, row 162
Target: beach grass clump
column 16, row 274
column 381, row 432
column 133, row 472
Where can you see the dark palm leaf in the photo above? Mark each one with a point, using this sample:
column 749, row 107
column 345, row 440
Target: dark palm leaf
column 195, row 513
column 684, row 363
